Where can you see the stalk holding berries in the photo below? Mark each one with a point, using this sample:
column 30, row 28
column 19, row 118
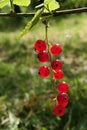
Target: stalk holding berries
column 45, row 53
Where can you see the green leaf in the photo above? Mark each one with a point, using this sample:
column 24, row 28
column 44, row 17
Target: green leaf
column 3, row 3
column 33, row 22
column 47, row 1
column 51, row 5
column 22, row 2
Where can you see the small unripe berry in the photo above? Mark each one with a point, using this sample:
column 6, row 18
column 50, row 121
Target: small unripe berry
column 43, row 56
column 56, row 49
column 63, row 99
column 44, row 71
column 56, row 65
column 63, row 87
column 58, row 75
column 40, row 46
column 59, row 110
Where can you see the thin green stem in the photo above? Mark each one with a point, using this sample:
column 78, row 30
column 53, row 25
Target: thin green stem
column 46, row 39
column 12, row 6
column 48, row 46
column 46, row 30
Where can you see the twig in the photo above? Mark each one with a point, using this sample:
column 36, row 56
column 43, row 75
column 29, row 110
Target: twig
column 57, row 13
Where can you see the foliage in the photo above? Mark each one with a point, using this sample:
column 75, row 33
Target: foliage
column 68, row 4
column 64, row 4
column 33, row 22
column 47, row 6
column 17, row 2
column 3, row 3
column 21, row 2
column 50, row 5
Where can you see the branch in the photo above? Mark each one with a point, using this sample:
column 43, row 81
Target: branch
column 57, row 13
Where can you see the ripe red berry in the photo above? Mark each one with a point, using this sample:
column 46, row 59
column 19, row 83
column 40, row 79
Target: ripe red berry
column 40, row 45
column 43, row 56
column 63, row 99
column 58, row 75
column 56, row 49
column 44, row 71
column 63, row 87
column 59, row 110
column 56, row 65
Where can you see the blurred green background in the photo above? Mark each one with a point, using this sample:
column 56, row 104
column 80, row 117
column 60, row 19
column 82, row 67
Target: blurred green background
column 26, row 100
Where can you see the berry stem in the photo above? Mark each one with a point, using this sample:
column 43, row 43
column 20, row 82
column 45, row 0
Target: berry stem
column 46, row 38
column 54, row 85
column 45, row 22
column 46, row 30
column 12, row 6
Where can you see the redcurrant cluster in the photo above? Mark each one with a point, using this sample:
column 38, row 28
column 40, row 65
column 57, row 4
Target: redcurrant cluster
column 43, row 56
column 56, row 67
column 62, row 99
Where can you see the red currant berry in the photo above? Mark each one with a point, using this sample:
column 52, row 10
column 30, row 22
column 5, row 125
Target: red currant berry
column 40, row 45
column 59, row 110
column 56, row 65
column 56, row 49
column 58, row 75
column 63, row 87
column 44, row 71
column 43, row 56
column 63, row 99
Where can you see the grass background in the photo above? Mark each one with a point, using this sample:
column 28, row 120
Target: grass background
column 26, row 100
